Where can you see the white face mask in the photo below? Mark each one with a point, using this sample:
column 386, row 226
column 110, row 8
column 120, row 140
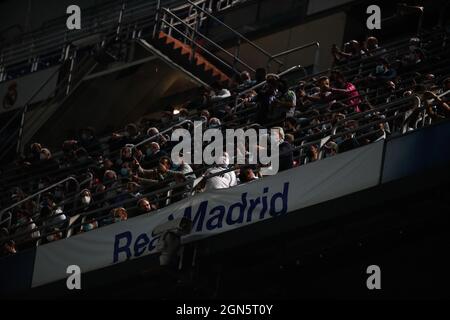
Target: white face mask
column 86, row 200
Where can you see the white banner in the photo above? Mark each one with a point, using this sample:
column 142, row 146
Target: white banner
column 16, row 93
column 215, row 212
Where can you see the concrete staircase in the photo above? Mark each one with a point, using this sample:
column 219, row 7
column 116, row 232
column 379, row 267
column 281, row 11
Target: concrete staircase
column 181, row 54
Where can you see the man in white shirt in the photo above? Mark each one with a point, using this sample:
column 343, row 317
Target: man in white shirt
column 222, row 181
column 219, row 92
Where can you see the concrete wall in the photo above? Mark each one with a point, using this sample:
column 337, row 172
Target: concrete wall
column 31, row 14
column 299, row 35
column 113, row 100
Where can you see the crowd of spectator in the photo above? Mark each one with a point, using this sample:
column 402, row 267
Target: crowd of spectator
column 371, row 93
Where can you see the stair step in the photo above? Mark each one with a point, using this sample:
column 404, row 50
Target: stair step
column 183, row 50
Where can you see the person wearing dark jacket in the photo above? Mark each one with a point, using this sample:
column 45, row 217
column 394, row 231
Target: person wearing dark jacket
column 286, row 152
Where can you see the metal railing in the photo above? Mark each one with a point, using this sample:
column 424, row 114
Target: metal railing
column 190, row 17
column 240, row 36
column 37, row 194
column 261, row 84
column 387, row 107
column 196, row 45
column 296, row 49
column 65, row 86
column 114, row 20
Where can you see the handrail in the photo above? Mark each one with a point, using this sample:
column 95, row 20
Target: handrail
column 353, row 130
column 236, row 33
column 380, row 107
column 50, row 42
column 38, row 193
column 444, row 94
column 158, row 134
column 259, row 85
column 289, row 51
column 161, row 133
column 304, row 145
column 204, row 37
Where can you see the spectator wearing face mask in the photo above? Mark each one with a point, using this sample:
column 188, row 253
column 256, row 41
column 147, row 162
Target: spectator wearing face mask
column 86, row 201
column 246, row 81
column 126, row 171
column 88, row 225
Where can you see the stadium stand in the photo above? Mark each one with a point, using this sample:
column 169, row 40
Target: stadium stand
column 374, row 91
column 37, row 190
